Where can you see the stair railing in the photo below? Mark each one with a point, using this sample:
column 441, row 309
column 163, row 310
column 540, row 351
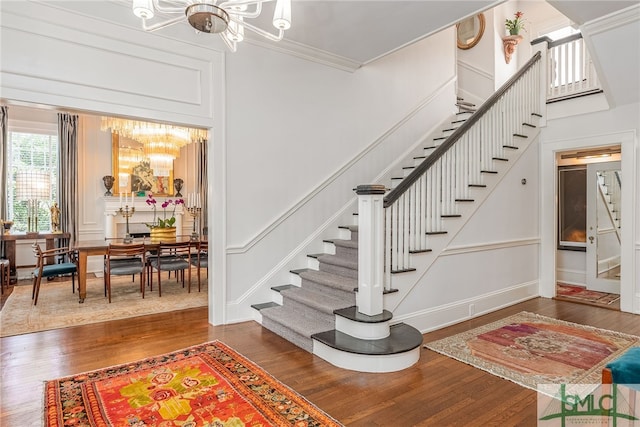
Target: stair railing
column 570, row 70
column 415, row 209
column 610, row 190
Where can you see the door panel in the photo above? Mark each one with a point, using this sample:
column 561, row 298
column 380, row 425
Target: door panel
column 604, row 226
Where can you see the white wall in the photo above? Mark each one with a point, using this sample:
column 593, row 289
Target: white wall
column 301, row 136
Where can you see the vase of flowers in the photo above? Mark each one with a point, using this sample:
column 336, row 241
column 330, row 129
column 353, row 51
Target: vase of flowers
column 514, row 26
column 163, row 229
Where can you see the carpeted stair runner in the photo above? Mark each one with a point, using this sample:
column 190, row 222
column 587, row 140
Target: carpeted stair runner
column 309, row 309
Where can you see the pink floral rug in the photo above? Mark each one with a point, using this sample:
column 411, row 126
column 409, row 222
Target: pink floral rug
column 583, row 294
column 530, row 349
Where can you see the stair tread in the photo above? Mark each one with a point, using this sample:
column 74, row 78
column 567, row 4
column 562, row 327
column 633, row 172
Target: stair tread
column 316, row 300
column 339, row 261
column 402, row 338
column 300, row 324
column 352, row 313
column 349, row 227
column 345, row 243
column 283, row 287
column 264, row 305
column 329, row 279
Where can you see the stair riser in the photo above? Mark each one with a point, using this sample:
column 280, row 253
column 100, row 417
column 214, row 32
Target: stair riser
column 348, row 297
column 304, row 343
column 347, row 253
column 339, row 270
column 310, row 312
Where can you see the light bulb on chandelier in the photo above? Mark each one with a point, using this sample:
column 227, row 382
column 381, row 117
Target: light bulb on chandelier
column 161, row 144
column 226, row 18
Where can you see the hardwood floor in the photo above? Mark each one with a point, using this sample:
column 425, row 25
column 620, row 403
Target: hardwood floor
column 437, row 391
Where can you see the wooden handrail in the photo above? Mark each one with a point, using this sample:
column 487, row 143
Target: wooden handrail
column 553, row 43
column 407, row 182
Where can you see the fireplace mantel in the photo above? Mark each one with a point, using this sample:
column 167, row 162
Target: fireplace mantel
column 114, row 223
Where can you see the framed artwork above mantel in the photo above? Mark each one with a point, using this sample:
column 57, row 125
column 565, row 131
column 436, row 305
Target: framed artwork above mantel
column 141, row 179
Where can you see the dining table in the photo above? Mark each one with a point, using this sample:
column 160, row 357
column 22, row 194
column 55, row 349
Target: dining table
column 86, row 248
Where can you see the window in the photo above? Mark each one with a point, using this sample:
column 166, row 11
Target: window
column 29, row 151
column 572, row 207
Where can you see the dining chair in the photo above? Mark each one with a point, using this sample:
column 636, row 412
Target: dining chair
column 200, row 258
column 172, row 256
column 5, row 275
column 125, row 260
column 68, row 264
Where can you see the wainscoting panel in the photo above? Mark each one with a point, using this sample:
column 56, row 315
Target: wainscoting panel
column 77, row 62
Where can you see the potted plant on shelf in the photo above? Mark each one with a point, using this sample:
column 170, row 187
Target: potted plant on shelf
column 513, row 26
column 163, row 229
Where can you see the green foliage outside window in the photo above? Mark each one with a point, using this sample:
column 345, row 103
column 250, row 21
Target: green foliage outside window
column 32, row 152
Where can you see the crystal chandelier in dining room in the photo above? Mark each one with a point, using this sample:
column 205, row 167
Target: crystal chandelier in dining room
column 229, row 18
column 161, row 142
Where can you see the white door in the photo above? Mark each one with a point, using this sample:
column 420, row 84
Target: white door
column 604, row 226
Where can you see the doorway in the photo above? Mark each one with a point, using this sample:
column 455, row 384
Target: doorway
column 588, row 250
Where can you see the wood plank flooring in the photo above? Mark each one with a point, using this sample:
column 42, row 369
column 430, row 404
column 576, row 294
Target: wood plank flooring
column 437, row 391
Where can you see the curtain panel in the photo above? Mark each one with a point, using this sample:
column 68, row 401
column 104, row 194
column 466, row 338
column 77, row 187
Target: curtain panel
column 203, row 184
column 68, row 174
column 4, row 191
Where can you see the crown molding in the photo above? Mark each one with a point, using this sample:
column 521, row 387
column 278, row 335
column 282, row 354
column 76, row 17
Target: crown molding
column 612, row 21
column 306, row 52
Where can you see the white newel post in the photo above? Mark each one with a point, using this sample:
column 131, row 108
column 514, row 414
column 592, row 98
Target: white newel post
column 370, row 249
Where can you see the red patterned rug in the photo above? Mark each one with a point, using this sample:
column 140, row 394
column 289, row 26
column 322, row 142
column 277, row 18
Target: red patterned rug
column 583, row 294
column 530, row 349
column 204, row 385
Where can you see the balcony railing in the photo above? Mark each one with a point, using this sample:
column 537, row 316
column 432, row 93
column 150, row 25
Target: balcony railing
column 392, row 228
column 570, row 70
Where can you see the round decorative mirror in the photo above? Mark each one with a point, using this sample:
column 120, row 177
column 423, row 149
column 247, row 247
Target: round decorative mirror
column 469, row 32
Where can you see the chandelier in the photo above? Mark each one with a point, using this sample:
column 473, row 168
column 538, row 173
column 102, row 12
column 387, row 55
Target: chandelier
column 161, row 142
column 226, row 18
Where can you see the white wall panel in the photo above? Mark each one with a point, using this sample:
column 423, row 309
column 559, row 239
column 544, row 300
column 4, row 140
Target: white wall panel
column 79, row 62
column 301, row 136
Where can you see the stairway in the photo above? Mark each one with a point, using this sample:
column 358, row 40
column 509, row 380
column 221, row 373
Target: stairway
column 317, row 309
column 317, row 313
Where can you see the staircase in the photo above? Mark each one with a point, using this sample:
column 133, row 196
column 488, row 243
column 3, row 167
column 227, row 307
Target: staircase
column 317, row 313
column 609, row 185
column 317, row 309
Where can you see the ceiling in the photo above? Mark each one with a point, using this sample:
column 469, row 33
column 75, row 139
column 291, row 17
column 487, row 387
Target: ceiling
column 356, row 32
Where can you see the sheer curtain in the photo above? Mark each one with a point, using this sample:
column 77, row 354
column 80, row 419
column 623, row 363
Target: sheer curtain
column 4, row 118
column 202, row 184
column 68, row 177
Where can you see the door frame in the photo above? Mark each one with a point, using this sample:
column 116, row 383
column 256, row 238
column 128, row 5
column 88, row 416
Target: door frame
column 593, row 282
column 548, row 212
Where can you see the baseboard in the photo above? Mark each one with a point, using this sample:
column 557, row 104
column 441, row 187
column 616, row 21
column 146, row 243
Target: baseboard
column 572, row 277
column 450, row 314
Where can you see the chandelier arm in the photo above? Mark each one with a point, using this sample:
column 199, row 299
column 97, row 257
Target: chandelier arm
column 251, row 15
column 227, row 4
column 175, row 9
column 263, row 33
column 229, row 8
column 160, row 25
column 230, row 44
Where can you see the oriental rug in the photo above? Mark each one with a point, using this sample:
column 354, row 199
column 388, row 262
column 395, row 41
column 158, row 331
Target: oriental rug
column 204, row 385
column 58, row 307
column 530, row 349
column 582, row 294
